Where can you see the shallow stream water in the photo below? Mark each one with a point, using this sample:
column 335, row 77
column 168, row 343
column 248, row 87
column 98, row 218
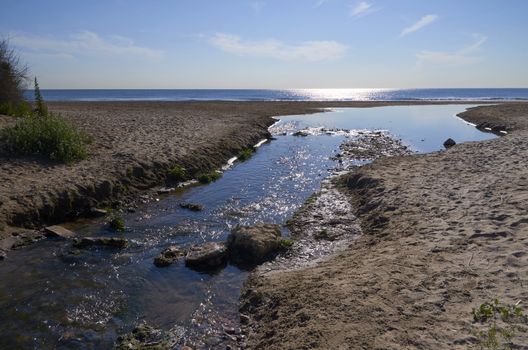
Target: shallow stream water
column 49, row 299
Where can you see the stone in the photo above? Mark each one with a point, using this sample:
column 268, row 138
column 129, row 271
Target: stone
column 3, row 255
column 143, row 337
column 449, row 143
column 207, row 256
column 254, row 244
column 71, row 256
column 300, row 133
column 58, row 231
column 168, row 256
column 98, row 213
column 112, row 242
column 191, row 206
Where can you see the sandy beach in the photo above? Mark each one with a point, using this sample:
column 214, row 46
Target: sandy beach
column 442, row 233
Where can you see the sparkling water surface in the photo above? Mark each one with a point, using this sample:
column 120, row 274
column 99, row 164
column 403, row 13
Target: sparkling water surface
column 281, row 95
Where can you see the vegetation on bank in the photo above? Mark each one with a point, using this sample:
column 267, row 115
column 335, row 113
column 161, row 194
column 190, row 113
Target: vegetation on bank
column 116, row 223
column 286, row 243
column 206, row 178
column 245, row 154
column 177, row 173
column 37, row 131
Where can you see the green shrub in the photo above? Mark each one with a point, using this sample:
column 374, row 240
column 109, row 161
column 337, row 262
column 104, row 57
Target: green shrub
column 286, row 243
column 177, row 173
column 51, row 137
column 117, row 224
column 22, row 109
column 206, row 178
column 498, row 324
column 41, row 107
column 245, row 154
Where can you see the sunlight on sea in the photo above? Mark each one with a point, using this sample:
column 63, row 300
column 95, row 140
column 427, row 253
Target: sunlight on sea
column 340, row 94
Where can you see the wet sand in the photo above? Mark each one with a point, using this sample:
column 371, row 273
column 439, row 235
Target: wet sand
column 442, row 233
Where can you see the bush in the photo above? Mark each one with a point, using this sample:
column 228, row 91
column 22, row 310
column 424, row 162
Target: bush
column 177, row 173
column 286, row 243
column 245, row 154
column 51, row 137
column 22, row 109
column 13, row 75
column 117, row 224
column 206, row 178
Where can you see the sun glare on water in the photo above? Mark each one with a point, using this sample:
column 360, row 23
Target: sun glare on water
column 340, row 94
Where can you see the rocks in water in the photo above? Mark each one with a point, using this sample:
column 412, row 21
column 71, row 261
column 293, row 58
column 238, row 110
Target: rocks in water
column 449, row 143
column 3, row 255
column 191, row 206
column 112, row 242
column 168, row 256
column 98, row 213
column 254, row 244
column 143, row 337
column 207, row 256
column 58, row 231
column 300, row 133
column 71, row 256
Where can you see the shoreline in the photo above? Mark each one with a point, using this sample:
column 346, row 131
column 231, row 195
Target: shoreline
column 127, row 156
column 442, row 233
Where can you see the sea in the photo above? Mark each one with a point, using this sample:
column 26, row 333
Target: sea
column 467, row 94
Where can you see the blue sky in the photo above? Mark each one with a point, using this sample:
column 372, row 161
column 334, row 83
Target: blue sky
column 270, row 43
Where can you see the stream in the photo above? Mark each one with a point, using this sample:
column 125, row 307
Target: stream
column 52, row 300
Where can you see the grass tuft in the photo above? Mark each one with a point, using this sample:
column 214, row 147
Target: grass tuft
column 286, row 243
column 51, row 137
column 117, row 224
column 177, row 173
column 206, row 178
column 499, row 323
column 245, row 154
column 22, row 109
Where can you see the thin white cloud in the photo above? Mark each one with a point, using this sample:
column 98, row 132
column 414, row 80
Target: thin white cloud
column 424, row 21
column 320, row 3
column 311, row 51
column 460, row 57
column 361, row 9
column 85, row 43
